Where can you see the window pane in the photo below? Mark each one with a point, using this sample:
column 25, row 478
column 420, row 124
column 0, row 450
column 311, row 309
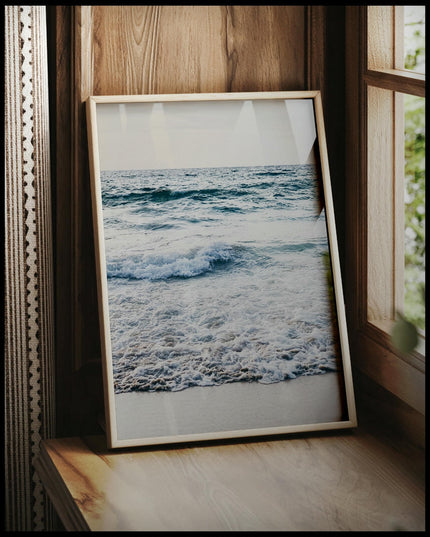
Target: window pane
column 414, row 38
column 414, row 307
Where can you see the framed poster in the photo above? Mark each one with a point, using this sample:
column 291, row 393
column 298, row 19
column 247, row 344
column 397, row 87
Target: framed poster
column 221, row 304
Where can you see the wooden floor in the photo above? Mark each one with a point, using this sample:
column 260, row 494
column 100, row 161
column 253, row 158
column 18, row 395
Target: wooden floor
column 343, row 481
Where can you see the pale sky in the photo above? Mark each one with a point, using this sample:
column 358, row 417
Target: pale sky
column 205, row 134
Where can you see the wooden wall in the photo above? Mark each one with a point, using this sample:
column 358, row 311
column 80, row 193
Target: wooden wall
column 107, row 50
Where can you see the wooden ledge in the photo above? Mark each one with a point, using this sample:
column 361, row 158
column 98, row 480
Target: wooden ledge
column 347, row 481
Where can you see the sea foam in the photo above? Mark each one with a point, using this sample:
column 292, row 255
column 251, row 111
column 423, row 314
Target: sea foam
column 217, row 276
column 189, row 264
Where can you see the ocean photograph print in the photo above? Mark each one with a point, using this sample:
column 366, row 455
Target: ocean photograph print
column 220, row 295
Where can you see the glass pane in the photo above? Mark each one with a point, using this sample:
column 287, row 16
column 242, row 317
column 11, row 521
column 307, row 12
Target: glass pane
column 415, row 210
column 414, row 38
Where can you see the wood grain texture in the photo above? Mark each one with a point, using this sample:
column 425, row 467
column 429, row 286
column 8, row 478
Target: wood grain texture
column 86, row 326
column 62, row 501
column 380, row 38
column 355, row 168
column 130, row 50
column 396, row 375
column 402, row 81
column 125, row 50
column 59, row 28
column 399, row 203
column 376, row 406
column 330, row 62
column 380, row 188
column 327, row 483
column 316, row 48
column 193, row 49
column 370, row 208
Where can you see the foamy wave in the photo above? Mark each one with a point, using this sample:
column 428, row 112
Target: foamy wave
column 172, row 265
column 175, row 366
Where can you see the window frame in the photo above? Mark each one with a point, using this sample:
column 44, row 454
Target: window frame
column 371, row 349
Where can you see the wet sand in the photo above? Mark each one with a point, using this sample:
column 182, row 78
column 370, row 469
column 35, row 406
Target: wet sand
column 229, row 407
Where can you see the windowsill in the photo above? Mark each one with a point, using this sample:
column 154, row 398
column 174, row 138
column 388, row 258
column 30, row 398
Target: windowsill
column 416, row 358
column 402, row 375
column 277, row 484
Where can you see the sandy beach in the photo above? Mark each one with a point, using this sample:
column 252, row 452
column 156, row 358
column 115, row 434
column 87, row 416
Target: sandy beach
column 229, row 407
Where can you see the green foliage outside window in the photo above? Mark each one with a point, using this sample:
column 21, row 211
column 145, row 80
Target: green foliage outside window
column 415, row 184
column 415, row 210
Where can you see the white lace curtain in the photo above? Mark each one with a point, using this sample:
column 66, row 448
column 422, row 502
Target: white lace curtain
column 29, row 328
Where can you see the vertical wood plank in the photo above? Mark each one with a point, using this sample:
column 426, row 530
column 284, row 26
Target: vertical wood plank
column 385, row 157
column 380, row 205
column 331, row 22
column 355, row 174
column 124, row 41
column 399, row 37
column 399, row 172
column 265, row 48
column 399, row 204
column 59, row 58
column 200, row 64
column 189, row 49
column 86, row 326
column 168, row 49
column 316, row 48
column 380, row 38
column 108, row 50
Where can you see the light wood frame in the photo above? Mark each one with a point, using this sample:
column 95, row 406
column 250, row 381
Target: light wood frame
column 348, row 419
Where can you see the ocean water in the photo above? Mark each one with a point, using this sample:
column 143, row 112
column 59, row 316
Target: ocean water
column 217, row 275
